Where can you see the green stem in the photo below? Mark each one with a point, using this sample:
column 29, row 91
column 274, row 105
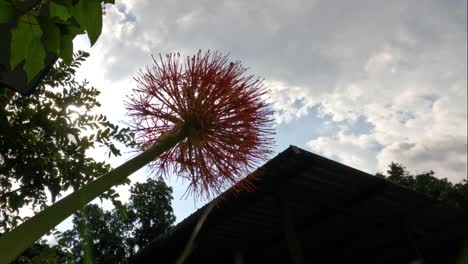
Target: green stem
column 13, row 243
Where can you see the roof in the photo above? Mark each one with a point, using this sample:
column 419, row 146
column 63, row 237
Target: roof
column 323, row 212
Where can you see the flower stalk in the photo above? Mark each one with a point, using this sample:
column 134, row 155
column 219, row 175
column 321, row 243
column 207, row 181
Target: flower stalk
column 13, row 243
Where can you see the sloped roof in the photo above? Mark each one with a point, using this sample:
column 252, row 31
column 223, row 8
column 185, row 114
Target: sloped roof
column 331, row 213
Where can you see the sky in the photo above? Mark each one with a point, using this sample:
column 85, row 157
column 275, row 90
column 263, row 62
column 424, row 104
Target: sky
column 363, row 82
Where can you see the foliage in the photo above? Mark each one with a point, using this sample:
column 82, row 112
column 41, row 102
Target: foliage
column 97, row 232
column 44, row 139
column 150, row 210
column 109, row 237
column 43, row 253
column 39, row 27
column 443, row 190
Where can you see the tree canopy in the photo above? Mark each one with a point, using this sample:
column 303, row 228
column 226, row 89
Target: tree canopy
column 102, row 236
column 44, row 253
column 440, row 189
column 44, row 141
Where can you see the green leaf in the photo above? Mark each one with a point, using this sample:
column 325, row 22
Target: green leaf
column 72, row 29
column 35, row 59
column 26, row 46
column 51, row 37
column 59, row 11
column 121, row 209
column 7, row 12
column 66, row 48
column 109, row 2
column 67, row 3
column 94, row 28
column 88, row 13
column 19, row 43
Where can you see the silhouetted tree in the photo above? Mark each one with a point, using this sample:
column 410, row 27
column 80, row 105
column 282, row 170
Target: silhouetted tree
column 150, row 210
column 100, row 236
column 439, row 189
column 44, row 139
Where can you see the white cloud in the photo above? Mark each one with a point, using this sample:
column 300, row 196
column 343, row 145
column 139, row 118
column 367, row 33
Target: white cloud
column 416, row 105
column 353, row 150
column 288, row 101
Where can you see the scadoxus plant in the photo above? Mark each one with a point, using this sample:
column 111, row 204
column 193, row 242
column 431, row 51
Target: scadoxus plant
column 202, row 119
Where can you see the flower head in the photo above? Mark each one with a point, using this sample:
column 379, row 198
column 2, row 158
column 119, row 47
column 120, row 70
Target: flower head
column 226, row 122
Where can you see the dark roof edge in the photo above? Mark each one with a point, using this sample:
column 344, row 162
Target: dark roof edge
column 287, row 162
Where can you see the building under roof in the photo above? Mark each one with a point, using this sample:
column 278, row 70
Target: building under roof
column 309, row 209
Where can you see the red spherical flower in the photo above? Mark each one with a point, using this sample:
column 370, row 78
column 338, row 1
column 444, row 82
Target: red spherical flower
column 226, row 123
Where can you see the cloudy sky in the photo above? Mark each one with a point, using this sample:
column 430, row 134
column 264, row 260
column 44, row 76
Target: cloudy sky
column 361, row 82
